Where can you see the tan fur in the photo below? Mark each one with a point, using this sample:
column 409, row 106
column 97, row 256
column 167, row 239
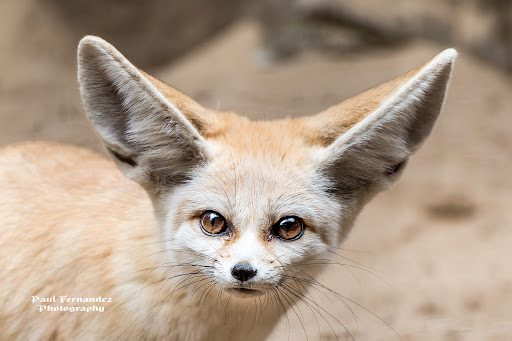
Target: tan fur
column 326, row 126
column 73, row 225
column 72, row 187
column 321, row 129
column 104, row 243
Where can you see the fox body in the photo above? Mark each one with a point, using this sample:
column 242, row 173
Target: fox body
column 208, row 226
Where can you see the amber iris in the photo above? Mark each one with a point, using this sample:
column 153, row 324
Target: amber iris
column 289, row 228
column 213, row 223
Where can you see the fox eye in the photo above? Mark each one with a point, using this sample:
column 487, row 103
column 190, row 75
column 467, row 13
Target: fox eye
column 289, row 228
column 213, row 223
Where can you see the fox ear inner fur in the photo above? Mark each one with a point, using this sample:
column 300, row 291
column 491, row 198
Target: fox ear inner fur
column 148, row 136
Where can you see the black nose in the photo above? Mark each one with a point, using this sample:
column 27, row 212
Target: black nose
column 243, row 272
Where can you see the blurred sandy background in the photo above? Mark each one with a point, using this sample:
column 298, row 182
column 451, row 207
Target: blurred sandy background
column 438, row 244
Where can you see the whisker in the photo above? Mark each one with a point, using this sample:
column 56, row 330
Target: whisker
column 304, row 291
column 353, row 261
column 210, row 288
column 317, row 285
column 324, row 310
column 347, row 266
column 344, row 299
column 290, row 303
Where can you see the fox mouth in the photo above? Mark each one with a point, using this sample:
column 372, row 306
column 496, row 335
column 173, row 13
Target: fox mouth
column 244, row 292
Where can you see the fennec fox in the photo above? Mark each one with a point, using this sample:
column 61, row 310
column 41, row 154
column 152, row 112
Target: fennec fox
column 217, row 233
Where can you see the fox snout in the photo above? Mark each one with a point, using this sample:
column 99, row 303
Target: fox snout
column 246, row 261
column 243, row 272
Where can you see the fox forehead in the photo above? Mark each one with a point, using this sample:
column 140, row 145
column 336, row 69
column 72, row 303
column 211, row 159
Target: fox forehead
column 282, row 140
column 253, row 191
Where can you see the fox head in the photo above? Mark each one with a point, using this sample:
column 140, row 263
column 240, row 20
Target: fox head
column 251, row 200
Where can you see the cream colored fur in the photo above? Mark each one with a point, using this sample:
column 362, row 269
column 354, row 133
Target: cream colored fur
column 73, row 225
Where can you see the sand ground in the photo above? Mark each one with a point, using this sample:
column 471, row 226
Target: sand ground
column 436, row 245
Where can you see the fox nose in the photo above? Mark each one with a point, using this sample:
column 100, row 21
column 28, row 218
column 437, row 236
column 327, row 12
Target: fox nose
column 243, row 272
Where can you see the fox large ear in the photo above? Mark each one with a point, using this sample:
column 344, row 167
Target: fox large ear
column 368, row 139
column 152, row 131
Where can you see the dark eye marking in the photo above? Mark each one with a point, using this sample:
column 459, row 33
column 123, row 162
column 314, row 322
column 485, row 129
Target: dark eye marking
column 395, row 168
column 126, row 159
